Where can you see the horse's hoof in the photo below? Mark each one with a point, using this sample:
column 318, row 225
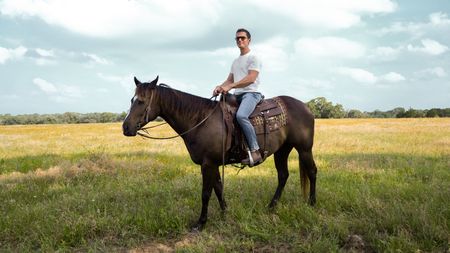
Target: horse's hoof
column 197, row 228
column 224, row 207
column 272, row 205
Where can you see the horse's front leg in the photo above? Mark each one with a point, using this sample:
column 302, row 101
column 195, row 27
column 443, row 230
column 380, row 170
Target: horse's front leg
column 208, row 183
column 218, row 189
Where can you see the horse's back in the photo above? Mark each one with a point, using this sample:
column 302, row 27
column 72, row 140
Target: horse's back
column 297, row 109
column 300, row 126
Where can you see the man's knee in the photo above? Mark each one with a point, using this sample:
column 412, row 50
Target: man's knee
column 241, row 117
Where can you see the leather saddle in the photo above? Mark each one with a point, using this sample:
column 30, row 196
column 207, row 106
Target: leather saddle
column 269, row 115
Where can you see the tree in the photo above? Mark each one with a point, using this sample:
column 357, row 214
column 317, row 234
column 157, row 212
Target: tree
column 356, row 114
column 397, row 111
column 321, row 108
column 121, row 116
column 446, row 112
column 434, row 112
column 71, row 117
column 413, row 113
column 337, row 112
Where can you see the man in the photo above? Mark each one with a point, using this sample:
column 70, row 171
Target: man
column 244, row 78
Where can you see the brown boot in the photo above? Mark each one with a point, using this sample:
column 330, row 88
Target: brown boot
column 253, row 159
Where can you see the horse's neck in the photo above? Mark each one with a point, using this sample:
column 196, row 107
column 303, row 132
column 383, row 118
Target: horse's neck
column 182, row 111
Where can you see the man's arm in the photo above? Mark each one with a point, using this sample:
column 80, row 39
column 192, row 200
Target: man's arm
column 247, row 80
column 219, row 88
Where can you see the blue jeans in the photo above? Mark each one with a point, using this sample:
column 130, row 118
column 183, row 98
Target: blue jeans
column 248, row 102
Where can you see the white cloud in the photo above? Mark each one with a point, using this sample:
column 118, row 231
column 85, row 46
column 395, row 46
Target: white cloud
column 357, row 74
column 315, row 84
column 332, row 47
column 416, row 29
column 96, row 59
column 45, row 53
column 367, row 77
column 44, row 62
column 45, row 86
column 116, row 18
column 385, row 54
column 58, row 92
column 273, row 54
column 439, row 18
column 393, row 77
column 50, row 56
column 11, row 54
column 45, row 57
column 325, row 13
column 126, row 81
column 429, row 47
column 438, row 72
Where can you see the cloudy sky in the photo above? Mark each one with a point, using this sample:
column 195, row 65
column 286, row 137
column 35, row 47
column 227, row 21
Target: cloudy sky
column 81, row 55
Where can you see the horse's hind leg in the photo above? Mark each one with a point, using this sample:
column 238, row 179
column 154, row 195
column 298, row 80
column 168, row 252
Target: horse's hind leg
column 281, row 163
column 308, row 166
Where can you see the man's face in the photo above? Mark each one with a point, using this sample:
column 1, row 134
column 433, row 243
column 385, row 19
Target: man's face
column 242, row 40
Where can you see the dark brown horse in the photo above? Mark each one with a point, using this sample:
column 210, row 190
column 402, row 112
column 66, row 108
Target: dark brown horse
column 183, row 111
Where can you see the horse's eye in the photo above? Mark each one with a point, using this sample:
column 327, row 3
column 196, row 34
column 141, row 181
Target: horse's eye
column 140, row 102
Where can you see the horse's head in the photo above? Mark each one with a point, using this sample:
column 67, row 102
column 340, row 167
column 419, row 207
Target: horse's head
column 144, row 107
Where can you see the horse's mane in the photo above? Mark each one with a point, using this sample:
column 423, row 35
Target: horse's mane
column 177, row 100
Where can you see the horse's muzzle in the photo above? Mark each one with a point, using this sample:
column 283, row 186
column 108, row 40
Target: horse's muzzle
column 127, row 131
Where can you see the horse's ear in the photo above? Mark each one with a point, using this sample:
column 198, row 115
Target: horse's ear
column 155, row 82
column 137, row 82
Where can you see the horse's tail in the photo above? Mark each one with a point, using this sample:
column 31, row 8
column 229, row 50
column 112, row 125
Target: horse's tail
column 304, row 181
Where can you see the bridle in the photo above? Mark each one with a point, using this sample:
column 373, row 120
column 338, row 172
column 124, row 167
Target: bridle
column 146, row 134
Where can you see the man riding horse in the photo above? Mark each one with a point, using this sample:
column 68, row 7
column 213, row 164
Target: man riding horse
column 192, row 116
column 244, row 78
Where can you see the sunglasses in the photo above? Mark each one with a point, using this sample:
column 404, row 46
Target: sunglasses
column 241, row 38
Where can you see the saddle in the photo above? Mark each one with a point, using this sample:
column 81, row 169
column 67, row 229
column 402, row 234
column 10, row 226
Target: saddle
column 269, row 116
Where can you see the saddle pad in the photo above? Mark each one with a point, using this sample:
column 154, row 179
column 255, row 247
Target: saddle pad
column 265, row 105
column 269, row 116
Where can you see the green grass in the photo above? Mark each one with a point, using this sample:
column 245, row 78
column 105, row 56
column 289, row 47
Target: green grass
column 86, row 188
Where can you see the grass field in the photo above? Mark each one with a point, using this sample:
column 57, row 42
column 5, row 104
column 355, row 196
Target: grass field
column 88, row 188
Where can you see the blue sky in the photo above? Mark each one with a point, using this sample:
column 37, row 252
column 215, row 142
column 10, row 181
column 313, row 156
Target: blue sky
column 81, row 55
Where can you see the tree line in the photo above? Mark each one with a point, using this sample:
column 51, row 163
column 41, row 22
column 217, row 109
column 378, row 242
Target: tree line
column 320, row 107
column 64, row 118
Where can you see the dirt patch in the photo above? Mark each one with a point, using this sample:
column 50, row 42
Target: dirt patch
column 52, row 172
column 354, row 244
column 152, row 248
column 185, row 241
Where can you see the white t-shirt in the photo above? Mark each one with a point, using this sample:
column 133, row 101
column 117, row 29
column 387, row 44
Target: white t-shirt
column 240, row 68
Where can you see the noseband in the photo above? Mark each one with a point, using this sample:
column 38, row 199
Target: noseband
column 146, row 113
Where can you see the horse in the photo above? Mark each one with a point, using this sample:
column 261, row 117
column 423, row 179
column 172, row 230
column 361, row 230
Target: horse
column 201, row 126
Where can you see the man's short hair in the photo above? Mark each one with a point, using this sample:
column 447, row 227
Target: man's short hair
column 246, row 32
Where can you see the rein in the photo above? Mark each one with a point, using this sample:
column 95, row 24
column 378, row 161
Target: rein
column 147, row 135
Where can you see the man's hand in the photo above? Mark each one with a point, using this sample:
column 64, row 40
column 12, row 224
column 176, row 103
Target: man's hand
column 221, row 89
column 218, row 90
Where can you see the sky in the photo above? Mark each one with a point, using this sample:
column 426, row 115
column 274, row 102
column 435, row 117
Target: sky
column 61, row 56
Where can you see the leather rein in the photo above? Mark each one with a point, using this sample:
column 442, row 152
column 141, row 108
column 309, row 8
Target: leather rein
column 146, row 134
